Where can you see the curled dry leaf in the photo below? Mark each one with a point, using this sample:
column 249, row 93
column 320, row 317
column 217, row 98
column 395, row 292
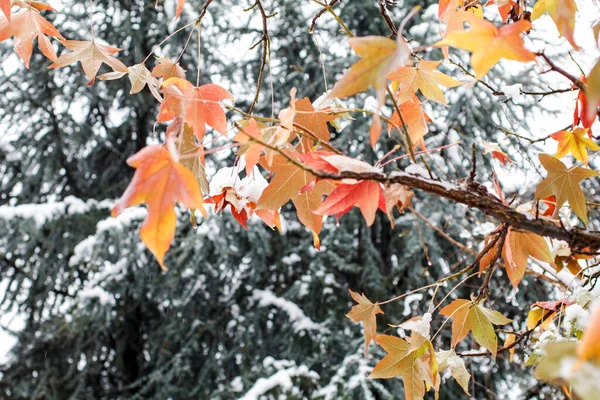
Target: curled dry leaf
column 396, row 195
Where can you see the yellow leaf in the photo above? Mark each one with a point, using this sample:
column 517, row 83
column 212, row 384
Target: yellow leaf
column 564, row 184
column 490, row 44
column 574, row 142
column 562, row 13
column 423, row 77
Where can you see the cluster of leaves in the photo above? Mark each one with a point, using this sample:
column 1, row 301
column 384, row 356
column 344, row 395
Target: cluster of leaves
column 307, row 170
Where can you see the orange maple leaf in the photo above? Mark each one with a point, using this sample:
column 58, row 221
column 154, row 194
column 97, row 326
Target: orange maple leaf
column 366, row 312
column 5, row 7
column 250, row 135
column 287, row 185
column 366, row 195
column 167, row 68
column 315, row 121
column 26, row 26
column 490, row 44
column 91, row 55
column 159, row 181
column 415, row 119
column 562, row 13
column 574, row 142
column 198, row 106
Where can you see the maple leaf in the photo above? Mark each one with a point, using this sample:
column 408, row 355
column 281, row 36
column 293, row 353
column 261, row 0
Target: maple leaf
column 287, row 185
column 518, row 247
column 91, row 55
column 366, row 195
column 562, row 13
column 449, row 359
column 379, row 56
column 455, row 16
column 315, row 121
column 415, row 119
column 26, row 26
column 366, row 312
column 496, row 152
column 197, row 106
column 396, row 195
column 5, row 7
column 504, row 7
column 250, row 135
column 590, row 100
column 159, row 181
column 180, row 4
column 408, row 359
column 471, row 317
column 444, row 5
column 167, row 68
column 191, row 156
column 490, row 44
column 564, row 184
column 589, row 347
column 574, row 142
column 140, row 76
column 423, row 77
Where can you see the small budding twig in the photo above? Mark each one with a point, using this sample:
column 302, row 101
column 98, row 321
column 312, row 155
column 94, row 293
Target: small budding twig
column 386, row 16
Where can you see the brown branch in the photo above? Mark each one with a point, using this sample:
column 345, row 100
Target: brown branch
column 265, row 41
column 387, row 18
column 556, row 68
column 484, row 202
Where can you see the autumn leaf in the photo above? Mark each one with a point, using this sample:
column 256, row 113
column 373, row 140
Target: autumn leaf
column 180, row 4
column 564, row 184
column 315, row 121
column 490, row 44
column 423, row 77
column 455, row 16
column 5, row 7
column 471, row 317
column 496, row 152
column 589, row 347
column 197, row 106
column 408, row 359
column 366, row 312
column 366, row 195
column 287, row 184
column 167, row 68
column 562, row 13
column 504, row 7
column 591, row 97
column 140, row 76
column 448, row 359
column 396, row 195
column 250, row 135
column 415, row 119
column 518, row 247
column 26, row 26
column 159, row 181
column 574, row 142
column 191, row 156
column 91, row 55
column 379, row 56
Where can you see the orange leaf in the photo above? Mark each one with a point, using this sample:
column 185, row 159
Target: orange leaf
column 198, row 106
column 252, row 149
column 589, row 347
column 366, row 312
column 167, row 68
column 379, row 56
column 518, row 247
column 26, row 26
column 5, row 7
column 287, row 185
column 313, row 120
column 468, row 317
column 496, row 152
column 574, row 142
column 159, row 181
column 91, row 55
column 490, row 44
column 423, row 77
column 562, row 13
column 367, row 195
column 564, row 184
column 180, row 4
column 415, row 119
